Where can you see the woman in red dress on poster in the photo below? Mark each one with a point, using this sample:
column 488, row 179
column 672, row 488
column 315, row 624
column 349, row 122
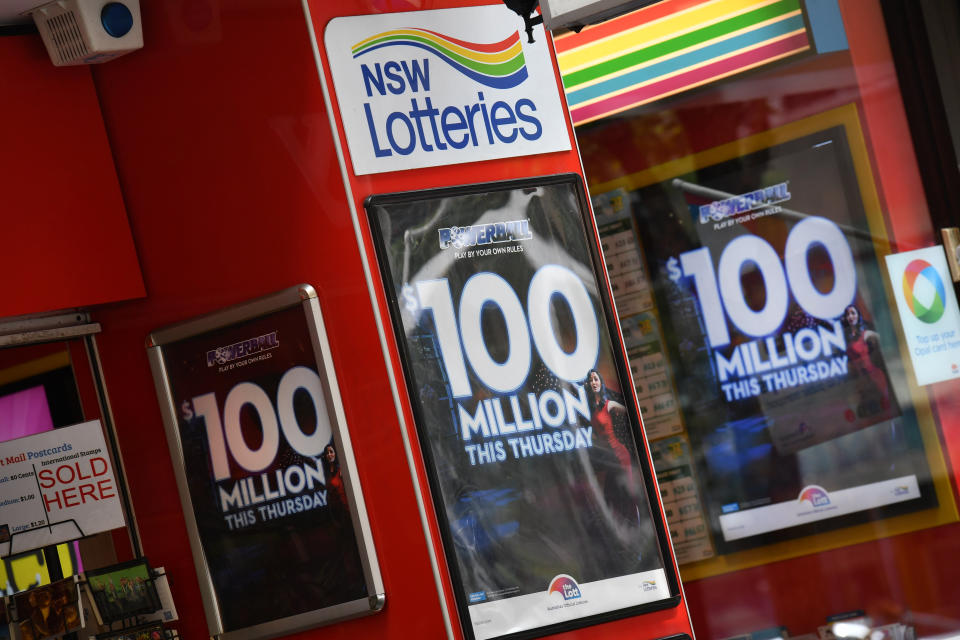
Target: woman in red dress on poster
column 331, row 467
column 605, row 414
column 865, row 363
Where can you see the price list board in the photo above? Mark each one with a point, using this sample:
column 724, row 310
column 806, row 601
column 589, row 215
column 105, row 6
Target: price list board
column 681, row 499
column 651, row 375
column 633, row 296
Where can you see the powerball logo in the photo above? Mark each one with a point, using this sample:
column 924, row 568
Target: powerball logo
column 499, row 64
column 565, row 586
column 816, row 496
column 462, row 237
column 237, row 350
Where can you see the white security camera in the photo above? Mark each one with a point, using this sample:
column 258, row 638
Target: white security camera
column 88, row 31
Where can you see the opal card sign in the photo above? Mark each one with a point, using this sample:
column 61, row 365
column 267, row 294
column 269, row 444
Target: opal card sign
column 57, row 486
column 429, row 88
column 928, row 311
column 265, row 469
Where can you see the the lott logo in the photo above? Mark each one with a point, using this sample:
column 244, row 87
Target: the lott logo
column 565, row 586
column 816, row 496
column 457, row 87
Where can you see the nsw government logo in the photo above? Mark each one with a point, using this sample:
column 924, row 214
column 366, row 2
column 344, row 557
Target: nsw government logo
column 565, row 586
column 816, row 496
column 428, row 88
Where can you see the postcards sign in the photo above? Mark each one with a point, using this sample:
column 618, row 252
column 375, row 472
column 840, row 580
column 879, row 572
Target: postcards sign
column 56, row 486
column 429, row 88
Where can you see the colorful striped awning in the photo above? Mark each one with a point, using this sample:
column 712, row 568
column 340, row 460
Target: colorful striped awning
column 670, row 47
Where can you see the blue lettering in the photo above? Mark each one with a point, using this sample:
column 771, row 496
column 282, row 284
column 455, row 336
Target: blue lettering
column 489, row 231
column 508, row 119
column 417, row 76
column 376, row 81
column 445, row 238
column 471, row 110
column 396, row 84
column 393, row 117
column 538, row 131
column 377, row 151
column 458, row 123
column 486, row 117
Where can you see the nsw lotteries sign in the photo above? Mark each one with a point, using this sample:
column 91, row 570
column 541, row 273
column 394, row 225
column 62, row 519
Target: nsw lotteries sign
column 429, row 88
column 928, row 310
column 56, row 486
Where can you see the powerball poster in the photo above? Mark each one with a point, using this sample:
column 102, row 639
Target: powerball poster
column 533, row 459
column 264, row 475
column 769, row 288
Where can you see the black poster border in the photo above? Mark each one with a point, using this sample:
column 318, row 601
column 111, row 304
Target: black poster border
column 643, row 454
column 303, row 297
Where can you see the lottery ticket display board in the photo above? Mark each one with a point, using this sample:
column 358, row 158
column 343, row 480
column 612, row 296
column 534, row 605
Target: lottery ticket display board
column 521, row 397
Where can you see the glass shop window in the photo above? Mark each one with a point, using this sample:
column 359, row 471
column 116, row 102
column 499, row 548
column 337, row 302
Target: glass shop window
column 787, row 307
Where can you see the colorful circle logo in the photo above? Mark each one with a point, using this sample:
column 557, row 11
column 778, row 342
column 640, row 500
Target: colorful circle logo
column 920, row 275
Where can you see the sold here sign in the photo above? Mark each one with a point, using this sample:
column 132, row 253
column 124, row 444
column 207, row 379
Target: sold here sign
column 56, row 486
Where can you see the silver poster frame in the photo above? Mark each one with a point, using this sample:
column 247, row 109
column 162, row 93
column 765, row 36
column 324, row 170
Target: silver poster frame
column 305, row 296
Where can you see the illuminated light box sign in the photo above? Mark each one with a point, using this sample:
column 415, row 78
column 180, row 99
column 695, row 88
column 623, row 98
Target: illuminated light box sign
column 447, row 86
column 928, row 312
column 540, row 479
column 672, row 47
column 265, row 468
column 57, row 486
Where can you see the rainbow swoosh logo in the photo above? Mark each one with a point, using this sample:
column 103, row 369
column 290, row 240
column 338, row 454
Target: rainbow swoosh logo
column 922, row 272
column 565, row 586
column 499, row 65
column 816, row 496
